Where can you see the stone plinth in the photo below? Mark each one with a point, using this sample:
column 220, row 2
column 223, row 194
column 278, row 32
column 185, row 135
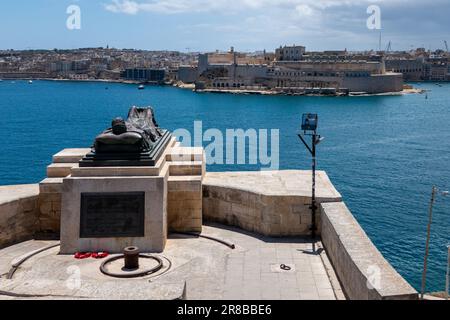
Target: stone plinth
column 116, row 182
column 50, row 190
column 155, row 216
column 187, row 167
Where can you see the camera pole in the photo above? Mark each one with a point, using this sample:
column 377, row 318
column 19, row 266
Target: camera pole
column 312, row 150
column 309, row 127
column 313, row 202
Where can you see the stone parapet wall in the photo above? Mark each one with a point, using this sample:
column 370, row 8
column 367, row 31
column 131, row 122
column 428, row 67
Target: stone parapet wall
column 18, row 213
column 269, row 203
column 266, row 215
column 362, row 270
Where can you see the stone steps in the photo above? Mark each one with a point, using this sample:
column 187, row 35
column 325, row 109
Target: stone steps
column 186, row 168
column 70, row 155
column 60, row 170
column 185, row 154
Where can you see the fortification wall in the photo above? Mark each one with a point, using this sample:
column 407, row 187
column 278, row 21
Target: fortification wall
column 391, row 82
column 362, row 270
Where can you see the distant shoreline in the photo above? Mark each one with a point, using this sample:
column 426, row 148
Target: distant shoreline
column 237, row 92
column 406, row 90
column 76, row 80
column 275, row 93
column 94, row 80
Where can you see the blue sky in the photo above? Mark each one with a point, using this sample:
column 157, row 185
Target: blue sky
column 205, row 25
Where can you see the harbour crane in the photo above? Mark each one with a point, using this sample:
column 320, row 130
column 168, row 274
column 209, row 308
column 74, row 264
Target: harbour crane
column 389, row 47
column 446, row 45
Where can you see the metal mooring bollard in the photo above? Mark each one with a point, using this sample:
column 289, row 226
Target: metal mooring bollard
column 131, row 255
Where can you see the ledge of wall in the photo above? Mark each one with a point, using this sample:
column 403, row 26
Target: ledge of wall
column 18, row 213
column 271, row 203
column 357, row 261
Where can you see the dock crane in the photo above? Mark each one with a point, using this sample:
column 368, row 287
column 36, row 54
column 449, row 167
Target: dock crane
column 446, row 46
column 389, row 47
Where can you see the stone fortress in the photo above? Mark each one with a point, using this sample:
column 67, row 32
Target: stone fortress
column 182, row 214
column 293, row 70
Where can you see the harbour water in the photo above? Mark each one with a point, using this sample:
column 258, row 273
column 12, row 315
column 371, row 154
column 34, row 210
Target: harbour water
column 382, row 153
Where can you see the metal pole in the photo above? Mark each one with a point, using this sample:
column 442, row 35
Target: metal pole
column 448, row 275
column 427, row 247
column 313, row 206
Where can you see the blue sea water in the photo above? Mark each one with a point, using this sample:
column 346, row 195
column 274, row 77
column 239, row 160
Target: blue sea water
column 382, row 153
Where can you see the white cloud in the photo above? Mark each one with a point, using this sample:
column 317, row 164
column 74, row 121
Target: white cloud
column 186, row 6
column 244, row 22
column 125, row 6
column 304, row 10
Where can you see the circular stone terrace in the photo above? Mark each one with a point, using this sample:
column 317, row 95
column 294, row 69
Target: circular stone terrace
column 199, row 269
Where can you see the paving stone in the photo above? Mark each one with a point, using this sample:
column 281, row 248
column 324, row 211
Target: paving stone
column 325, row 292
column 211, row 270
column 309, row 296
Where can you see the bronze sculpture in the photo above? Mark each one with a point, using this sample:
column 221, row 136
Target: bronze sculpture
column 137, row 141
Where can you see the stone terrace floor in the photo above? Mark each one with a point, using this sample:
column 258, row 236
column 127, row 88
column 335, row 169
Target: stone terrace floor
column 209, row 269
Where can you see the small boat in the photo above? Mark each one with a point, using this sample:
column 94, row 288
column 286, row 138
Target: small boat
column 30, row 82
column 141, row 87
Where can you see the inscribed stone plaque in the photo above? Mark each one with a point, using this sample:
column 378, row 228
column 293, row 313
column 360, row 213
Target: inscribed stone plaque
column 112, row 215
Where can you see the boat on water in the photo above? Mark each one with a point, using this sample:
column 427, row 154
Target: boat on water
column 141, row 87
column 30, row 82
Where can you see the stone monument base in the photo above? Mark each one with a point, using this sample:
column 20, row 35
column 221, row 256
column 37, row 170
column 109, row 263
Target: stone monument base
column 111, row 213
column 182, row 170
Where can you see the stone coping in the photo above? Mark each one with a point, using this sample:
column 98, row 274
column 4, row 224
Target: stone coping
column 70, row 155
column 276, row 183
column 363, row 271
column 51, row 185
column 13, row 193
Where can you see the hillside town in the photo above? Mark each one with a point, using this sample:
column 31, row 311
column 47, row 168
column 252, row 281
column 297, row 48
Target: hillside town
column 288, row 69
